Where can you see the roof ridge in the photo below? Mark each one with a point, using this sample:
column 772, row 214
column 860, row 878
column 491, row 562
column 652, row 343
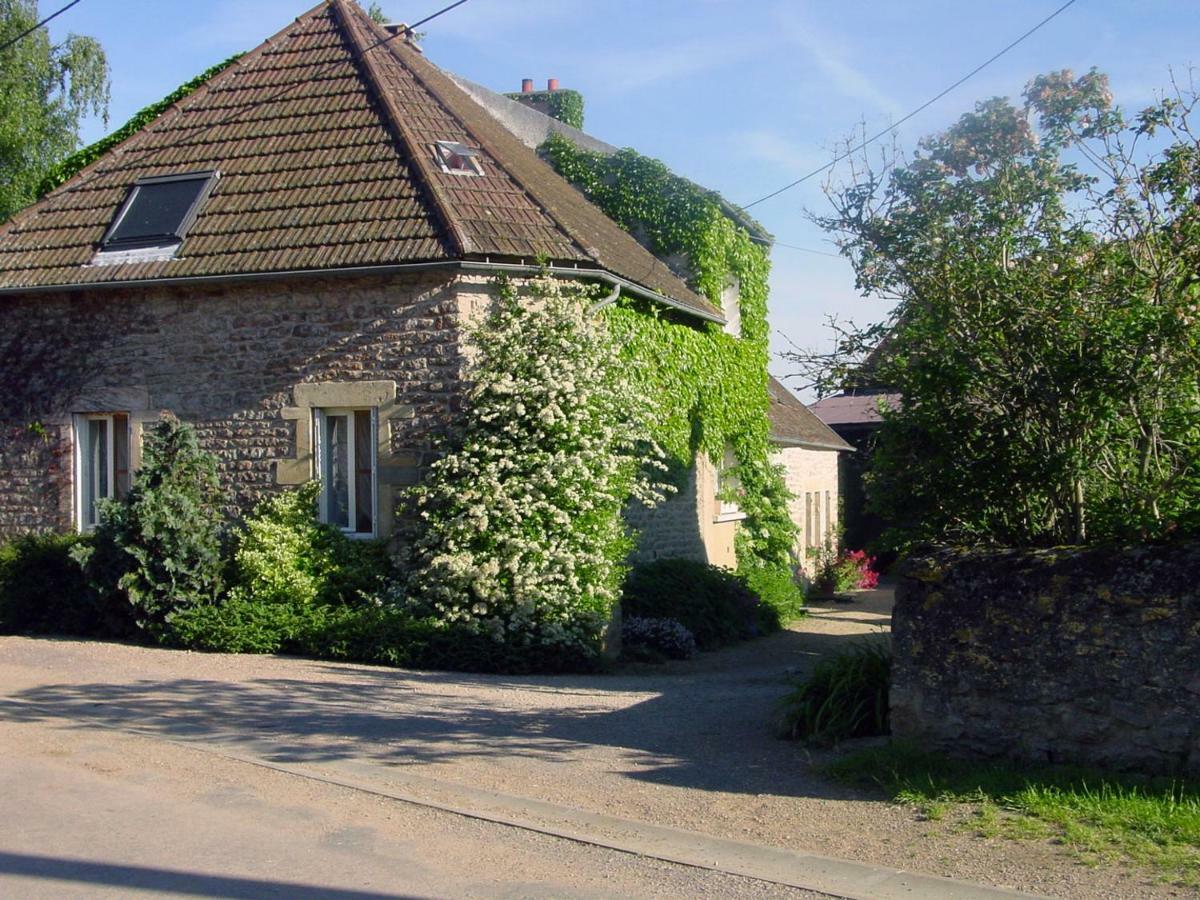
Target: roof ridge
column 116, row 150
column 353, row 26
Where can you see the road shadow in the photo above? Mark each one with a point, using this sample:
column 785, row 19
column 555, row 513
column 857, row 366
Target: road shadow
column 173, row 881
column 705, row 724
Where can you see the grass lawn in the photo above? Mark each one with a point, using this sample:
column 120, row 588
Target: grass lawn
column 1101, row 817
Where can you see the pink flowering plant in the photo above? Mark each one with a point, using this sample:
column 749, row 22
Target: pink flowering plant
column 846, row 570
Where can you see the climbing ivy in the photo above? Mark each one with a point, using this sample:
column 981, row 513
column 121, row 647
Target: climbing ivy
column 81, row 158
column 710, row 388
column 563, row 104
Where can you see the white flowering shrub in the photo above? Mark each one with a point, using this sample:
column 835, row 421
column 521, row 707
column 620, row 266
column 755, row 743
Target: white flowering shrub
column 519, row 533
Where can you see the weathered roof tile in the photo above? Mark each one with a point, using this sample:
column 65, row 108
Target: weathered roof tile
column 324, row 139
column 794, row 423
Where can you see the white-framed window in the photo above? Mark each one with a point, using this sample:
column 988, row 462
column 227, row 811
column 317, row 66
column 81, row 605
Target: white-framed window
column 346, row 467
column 102, row 442
column 728, row 488
column 457, row 158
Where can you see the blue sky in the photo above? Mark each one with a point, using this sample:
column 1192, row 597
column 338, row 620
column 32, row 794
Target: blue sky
column 741, row 96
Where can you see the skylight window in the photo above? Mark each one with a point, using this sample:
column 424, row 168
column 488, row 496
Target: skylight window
column 457, row 159
column 158, row 211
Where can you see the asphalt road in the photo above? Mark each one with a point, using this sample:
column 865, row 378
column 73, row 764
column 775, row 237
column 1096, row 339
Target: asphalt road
column 98, row 813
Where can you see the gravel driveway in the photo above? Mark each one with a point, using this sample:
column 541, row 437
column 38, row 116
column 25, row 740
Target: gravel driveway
column 686, row 744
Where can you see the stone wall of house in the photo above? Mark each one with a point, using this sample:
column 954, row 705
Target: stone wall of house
column 686, row 525
column 1087, row 656
column 228, row 359
column 812, row 477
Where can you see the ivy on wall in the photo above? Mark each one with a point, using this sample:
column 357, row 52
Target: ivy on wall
column 87, row 155
column 563, row 104
column 710, row 387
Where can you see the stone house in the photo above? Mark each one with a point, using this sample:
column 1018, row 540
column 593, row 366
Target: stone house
column 285, row 258
column 810, row 453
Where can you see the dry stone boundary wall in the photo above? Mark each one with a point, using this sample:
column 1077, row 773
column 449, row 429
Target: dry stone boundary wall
column 1081, row 656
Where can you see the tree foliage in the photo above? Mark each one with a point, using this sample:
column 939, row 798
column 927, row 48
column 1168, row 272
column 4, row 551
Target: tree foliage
column 1046, row 339
column 47, row 89
column 160, row 546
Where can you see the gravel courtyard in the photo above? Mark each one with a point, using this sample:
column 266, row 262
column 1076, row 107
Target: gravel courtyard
column 687, row 744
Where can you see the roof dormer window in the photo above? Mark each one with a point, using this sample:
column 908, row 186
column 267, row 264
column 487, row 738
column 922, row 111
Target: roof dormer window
column 158, row 212
column 457, row 159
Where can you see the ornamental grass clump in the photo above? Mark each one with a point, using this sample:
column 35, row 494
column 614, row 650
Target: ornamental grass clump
column 846, row 696
column 518, row 530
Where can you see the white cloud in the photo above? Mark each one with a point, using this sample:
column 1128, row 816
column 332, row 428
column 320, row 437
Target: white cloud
column 778, row 149
column 623, row 71
column 832, row 61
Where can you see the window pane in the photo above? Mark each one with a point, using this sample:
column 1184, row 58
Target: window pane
column 95, row 468
column 336, row 475
column 364, row 478
column 157, row 211
column 120, row 426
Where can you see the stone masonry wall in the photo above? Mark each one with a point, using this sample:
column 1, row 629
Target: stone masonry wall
column 1085, row 656
column 228, row 360
column 671, row 529
column 686, row 526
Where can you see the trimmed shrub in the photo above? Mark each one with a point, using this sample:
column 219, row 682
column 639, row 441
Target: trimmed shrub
column 654, row 639
column 284, row 555
column 845, row 697
column 44, row 591
column 781, row 597
column 714, row 604
column 160, row 547
column 369, row 633
column 238, row 626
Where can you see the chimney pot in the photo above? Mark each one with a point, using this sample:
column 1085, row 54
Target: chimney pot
column 526, row 85
column 552, row 84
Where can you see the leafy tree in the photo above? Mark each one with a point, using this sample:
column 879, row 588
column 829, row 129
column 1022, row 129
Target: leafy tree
column 161, row 545
column 1046, row 339
column 518, row 534
column 47, row 90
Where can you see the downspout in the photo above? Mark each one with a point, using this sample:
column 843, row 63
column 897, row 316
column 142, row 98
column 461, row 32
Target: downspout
column 607, row 301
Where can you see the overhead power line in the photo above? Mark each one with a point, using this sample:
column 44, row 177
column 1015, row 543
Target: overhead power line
column 408, row 29
column 148, row 153
column 924, row 106
column 805, row 249
column 29, row 31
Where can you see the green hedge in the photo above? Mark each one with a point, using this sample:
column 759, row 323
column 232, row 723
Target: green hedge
column 44, row 591
column 714, row 604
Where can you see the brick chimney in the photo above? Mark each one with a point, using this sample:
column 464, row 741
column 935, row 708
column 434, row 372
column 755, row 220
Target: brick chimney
column 545, row 103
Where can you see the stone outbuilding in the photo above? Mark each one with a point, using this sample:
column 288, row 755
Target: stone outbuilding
column 809, row 452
